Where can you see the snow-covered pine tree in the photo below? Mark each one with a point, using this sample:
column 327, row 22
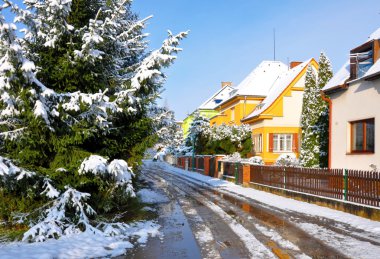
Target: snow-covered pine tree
column 309, row 155
column 325, row 73
column 79, row 82
column 314, row 118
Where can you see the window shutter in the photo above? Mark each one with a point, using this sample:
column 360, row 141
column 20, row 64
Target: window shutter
column 270, row 142
column 295, row 143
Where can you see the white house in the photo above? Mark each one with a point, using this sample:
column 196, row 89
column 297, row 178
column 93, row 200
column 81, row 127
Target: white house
column 354, row 94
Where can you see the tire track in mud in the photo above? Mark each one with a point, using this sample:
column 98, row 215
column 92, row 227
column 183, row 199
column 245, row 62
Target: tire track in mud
column 223, row 242
column 258, row 219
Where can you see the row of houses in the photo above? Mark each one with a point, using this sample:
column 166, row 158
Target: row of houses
column 270, row 99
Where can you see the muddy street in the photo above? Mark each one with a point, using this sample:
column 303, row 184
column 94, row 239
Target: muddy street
column 201, row 221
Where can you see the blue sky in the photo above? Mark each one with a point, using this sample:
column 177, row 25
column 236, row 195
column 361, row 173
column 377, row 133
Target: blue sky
column 229, row 38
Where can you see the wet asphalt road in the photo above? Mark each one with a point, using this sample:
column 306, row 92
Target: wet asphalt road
column 202, row 222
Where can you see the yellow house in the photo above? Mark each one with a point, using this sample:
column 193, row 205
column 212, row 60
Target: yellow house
column 248, row 94
column 275, row 122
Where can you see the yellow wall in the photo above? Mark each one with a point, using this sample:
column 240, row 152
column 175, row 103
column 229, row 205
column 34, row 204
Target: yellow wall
column 242, row 107
column 275, row 111
column 270, row 157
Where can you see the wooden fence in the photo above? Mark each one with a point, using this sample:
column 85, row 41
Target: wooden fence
column 361, row 187
column 357, row 186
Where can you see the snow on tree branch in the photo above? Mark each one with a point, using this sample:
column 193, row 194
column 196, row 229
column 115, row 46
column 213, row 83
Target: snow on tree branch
column 118, row 169
column 57, row 221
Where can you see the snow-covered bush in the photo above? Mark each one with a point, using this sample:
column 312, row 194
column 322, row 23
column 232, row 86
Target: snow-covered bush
column 287, row 159
column 256, row 160
column 223, row 139
column 235, row 157
column 118, row 170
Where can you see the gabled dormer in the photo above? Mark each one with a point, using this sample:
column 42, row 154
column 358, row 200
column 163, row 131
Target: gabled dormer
column 362, row 58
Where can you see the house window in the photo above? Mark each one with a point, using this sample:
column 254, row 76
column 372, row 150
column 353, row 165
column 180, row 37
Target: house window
column 282, row 142
column 361, row 60
column 363, row 136
column 232, row 114
column 257, row 143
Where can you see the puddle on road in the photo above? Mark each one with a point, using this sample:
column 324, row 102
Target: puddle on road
column 177, row 240
column 304, row 241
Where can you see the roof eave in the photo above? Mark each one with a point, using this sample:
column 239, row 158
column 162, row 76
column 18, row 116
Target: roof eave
column 372, row 77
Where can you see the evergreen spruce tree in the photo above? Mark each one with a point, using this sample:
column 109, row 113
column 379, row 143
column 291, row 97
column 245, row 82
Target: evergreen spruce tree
column 325, row 73
column 314, row 117
column 309, row 155
column 75, row 95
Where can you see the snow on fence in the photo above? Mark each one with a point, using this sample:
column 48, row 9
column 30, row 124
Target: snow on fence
column 357, row 186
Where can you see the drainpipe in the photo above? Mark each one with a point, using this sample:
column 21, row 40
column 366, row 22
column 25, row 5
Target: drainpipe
column 328, row 100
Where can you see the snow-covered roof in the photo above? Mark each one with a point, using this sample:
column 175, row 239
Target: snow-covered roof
column 339, row 78
column 374, row 35
column 217, row 98
column 260, row 80
column 282, row 82
column 375, row 69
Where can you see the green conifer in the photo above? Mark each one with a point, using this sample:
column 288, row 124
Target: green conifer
column 325, row 73
column 314, row 117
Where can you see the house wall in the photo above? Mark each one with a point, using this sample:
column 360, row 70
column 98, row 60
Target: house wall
column 360, row 101
column 186, row 125
column 241, row 109
column 271, row 157
column 285, row 117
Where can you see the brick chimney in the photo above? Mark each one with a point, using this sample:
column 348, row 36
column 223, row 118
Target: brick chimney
column 294, row 64
column 226, row 84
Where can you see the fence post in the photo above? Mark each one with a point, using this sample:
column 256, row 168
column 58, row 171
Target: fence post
column 345, row 183
column 221, row 172
column 284, row 177
column 246, row 174
column 236, row 173
column 186, row 165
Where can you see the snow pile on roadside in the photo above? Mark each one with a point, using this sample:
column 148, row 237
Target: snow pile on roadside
column 151, row 197
column 287, row 159
column 82, row 245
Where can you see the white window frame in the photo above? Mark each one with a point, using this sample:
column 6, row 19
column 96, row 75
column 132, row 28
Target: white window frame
column 285, row 147
column 233, row 114
column 257, row 140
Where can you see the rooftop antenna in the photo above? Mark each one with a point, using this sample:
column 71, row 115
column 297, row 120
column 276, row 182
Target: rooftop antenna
column 274, row 44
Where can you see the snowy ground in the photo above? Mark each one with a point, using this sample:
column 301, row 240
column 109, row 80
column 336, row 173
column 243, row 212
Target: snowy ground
column 266, row 223
column 89, row 245
column 204, row 217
